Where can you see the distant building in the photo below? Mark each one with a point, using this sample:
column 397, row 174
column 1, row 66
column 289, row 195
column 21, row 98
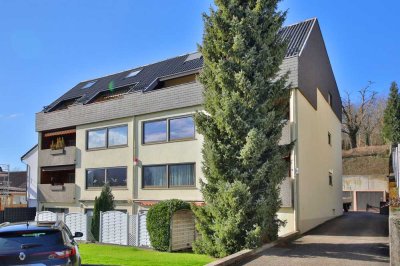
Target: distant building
column 13, row 194
column 31, row 160
column 365, row 181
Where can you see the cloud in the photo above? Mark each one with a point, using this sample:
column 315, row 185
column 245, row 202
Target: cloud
column 10, row 116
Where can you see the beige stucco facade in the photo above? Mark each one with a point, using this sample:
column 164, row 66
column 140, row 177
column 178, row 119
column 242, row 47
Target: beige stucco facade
column 186, row 151
column 312, row 159
column 316, row 201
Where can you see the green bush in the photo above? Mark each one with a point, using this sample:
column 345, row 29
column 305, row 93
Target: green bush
column 159, row 221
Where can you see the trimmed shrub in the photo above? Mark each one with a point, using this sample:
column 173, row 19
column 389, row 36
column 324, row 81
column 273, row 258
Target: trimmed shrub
column 159, row 222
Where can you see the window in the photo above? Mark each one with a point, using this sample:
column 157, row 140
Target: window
column 170, row 129
column 330, row 99
column 118, row 136
column 95, row 177
column 330, row 179
column 181, row 175
column 107, row 137
column 181, row 128
column 133, row 73
column 329, row 138
column 167, row 176
column 115, row 177
column 89, row 84
column 155, row 131
column 97, row 138
column 155, row 176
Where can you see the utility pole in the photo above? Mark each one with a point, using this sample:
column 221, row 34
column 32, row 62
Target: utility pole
column 4, row 185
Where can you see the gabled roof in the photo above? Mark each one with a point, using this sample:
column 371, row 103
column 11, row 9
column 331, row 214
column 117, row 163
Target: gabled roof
column 295, row 35
column 23, row 157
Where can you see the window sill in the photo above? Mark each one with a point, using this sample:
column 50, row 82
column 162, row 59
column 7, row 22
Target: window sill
column 170, row 188
column 100, row 188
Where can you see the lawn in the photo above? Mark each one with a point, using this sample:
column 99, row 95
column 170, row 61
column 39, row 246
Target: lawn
column 94, row 254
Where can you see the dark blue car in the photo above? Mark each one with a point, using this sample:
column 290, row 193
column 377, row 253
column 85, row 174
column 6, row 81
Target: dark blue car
column 38, row 243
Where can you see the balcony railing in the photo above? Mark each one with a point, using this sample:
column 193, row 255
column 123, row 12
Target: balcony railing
column 59, row 193
column 66, row 156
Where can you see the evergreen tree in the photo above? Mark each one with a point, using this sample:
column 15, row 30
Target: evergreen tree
column 245, row 102
column 391, row 118
column 103, row 203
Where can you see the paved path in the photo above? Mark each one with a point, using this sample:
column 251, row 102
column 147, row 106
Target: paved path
column 352, row 239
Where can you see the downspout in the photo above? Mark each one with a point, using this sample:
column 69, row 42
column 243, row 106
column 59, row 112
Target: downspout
column 295, row 151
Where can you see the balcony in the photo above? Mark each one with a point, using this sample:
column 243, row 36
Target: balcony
column 65, row 193
column 65, row 156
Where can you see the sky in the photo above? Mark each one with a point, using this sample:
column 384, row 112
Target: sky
column 47, row 47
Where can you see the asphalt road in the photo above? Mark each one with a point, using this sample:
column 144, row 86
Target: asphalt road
column 356, row 238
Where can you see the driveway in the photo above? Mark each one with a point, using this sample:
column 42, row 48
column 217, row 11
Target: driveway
column 356, row 238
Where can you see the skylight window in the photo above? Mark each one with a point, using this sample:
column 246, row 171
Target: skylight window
column 193, row 56
column 89, row 84
column 133, row 73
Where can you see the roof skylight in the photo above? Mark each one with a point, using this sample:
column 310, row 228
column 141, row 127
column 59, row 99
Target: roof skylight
column 133, row 73
column 89, row 84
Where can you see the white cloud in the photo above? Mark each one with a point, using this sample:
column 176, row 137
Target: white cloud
column 10, row 116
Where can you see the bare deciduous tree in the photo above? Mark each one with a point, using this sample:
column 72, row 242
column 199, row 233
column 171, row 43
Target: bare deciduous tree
column 356, row 115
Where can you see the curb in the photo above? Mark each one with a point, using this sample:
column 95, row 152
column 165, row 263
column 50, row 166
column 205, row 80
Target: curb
column 246, row 253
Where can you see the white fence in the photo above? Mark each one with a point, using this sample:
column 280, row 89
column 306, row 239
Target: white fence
column 115, row 227
column 124, row 229
column 76, row 222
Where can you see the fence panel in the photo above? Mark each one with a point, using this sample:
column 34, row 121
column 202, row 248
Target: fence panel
column 46, row 216
column 133, row 230
column 143, row 235
column 77, row 222
column 114, row 228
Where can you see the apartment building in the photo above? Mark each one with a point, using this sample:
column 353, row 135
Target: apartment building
column 135, row 130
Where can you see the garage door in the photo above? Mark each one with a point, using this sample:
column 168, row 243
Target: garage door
column 371, row 199
column 144, row 239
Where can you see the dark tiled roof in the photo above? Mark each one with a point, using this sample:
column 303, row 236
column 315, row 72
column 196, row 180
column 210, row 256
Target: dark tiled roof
column 295, row 35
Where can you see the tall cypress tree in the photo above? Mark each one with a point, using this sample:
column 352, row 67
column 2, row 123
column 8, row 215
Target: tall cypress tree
column 103, row 203
column 245, row 102
column 391, row 118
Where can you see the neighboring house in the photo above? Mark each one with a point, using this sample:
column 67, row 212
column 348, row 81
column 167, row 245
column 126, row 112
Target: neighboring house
column 13, row 192
column 135, row 130
column 31, row 160
column 365, row 182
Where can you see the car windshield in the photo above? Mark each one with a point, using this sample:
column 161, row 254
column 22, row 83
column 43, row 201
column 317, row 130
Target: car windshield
column 29, row 239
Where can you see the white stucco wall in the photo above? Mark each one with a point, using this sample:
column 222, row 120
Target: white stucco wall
column 31, row 161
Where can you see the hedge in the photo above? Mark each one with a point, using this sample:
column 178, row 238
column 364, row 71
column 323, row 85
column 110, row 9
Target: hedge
column 159, row 222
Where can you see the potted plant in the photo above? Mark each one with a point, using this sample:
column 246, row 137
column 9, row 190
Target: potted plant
column 58, row 146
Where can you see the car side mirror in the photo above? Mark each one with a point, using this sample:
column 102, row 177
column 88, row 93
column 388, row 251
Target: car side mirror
column 78, row 234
